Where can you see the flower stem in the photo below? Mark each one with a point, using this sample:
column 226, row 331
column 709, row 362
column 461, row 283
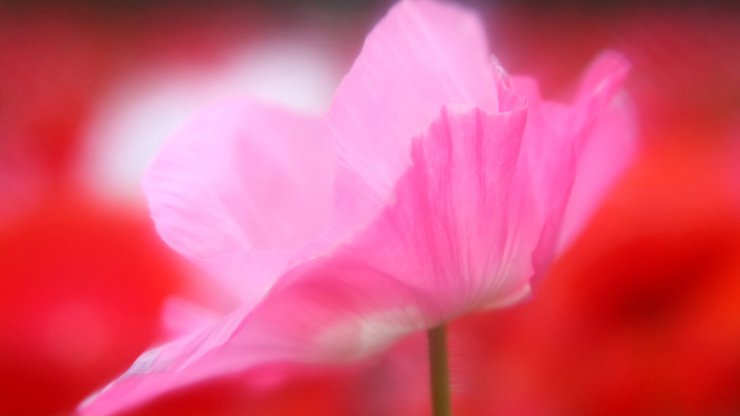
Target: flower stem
column 440, row 379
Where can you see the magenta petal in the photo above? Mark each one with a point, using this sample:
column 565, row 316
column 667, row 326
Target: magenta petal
column 240, row 188
column 420, row 57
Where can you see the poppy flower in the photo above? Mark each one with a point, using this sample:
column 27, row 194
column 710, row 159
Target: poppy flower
column 434, row 186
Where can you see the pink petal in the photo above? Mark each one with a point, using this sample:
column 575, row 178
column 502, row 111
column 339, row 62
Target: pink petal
column 181, row 317
column 420, row 57
column 447, row 245
column 611, row 144
column 556, row 140
column 328, row 310
column 176, row 364
column 606, row 156
column 451, row 229
column 240, row 188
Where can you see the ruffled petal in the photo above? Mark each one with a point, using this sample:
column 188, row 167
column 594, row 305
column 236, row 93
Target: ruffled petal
column 240, row 188
column 556, row 140
column 450, row 229
column 420, row 57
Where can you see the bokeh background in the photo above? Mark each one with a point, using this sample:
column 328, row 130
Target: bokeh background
column 641, row 316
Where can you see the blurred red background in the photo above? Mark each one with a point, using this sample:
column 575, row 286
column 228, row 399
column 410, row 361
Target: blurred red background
column 641, row 316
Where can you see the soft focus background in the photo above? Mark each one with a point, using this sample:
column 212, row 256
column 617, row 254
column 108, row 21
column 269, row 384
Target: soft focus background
column 641, row 316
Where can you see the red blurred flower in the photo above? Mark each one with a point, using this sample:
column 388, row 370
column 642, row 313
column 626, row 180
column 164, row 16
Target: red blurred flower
column 80, row 294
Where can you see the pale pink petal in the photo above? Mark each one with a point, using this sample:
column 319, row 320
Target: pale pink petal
column 609, row 152
column 442, row 248
column 445, row 244
column 327, row 311
column 179, row 363
column 420, row 57
column 240, row 188
column 449, row 232
column 556, row 138
column 451, row 227
column 181, row 317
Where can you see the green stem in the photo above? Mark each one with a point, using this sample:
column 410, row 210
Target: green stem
column 440, row 378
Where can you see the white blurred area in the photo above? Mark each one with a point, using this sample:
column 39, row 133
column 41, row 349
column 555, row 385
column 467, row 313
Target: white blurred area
column 144, row 109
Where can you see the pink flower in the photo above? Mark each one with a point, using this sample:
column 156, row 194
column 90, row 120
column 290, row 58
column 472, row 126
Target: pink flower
column 435, row 186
